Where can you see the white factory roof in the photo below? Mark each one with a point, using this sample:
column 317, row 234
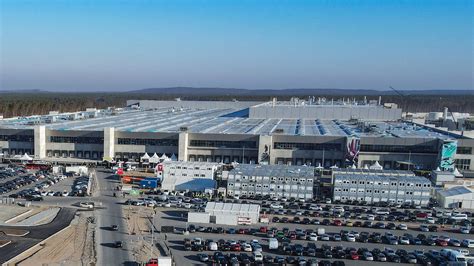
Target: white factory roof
column 217, row 120
column 455, row 191
column 273, row 170
column 222, row 207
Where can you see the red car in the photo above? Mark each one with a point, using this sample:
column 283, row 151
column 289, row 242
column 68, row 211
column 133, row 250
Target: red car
column 242, row 231
column 235, row 247
column 337, row 222
column 354, row 255
column 263, row 229
column 441, row 242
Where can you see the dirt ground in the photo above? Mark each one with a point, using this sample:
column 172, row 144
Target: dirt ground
column 73, row 246
column 139, row 227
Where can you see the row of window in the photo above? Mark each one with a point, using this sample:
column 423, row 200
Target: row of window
column 20, row 138
column 399, row 148
column 74, row 154
column 273, row 178
column 186, row 168
column 288, row 187
column 223, row 144
column 185, row 174
column 78, row 140
column 307, row 146
column 224, row 159
column 147, row 142
column 12, row 152
column 378, row 183
column 378, row 191
column 463, row 164
column 464, row 150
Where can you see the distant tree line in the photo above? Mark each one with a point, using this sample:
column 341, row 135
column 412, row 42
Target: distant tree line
column 24, row 104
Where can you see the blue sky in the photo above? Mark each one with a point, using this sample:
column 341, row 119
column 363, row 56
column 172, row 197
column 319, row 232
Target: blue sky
column 116, row 45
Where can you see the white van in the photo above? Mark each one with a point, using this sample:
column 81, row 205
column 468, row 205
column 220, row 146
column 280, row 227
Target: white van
column 459, row 216
column 212, row 246
column 273, row 243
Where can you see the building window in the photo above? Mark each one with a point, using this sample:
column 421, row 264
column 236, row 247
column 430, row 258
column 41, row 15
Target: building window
column 85, row 140
column 19, row 138
column 399, row 148
column 223, row 144
column 463, row 164
column 307, row 146
column 464, row 150
column 148, row 142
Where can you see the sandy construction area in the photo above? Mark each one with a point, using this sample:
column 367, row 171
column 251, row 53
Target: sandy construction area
column 73, row 246
column 139, row 227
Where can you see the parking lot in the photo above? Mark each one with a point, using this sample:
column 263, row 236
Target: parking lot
column 348, row 234
column 17, row 182
column 230, row 240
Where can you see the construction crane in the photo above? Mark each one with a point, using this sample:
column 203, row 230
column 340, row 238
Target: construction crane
column 402, row 96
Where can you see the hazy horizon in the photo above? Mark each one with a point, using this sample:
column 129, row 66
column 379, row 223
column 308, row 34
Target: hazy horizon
column 60, row 45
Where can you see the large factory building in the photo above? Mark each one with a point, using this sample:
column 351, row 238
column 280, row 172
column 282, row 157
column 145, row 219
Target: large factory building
column 312, row 132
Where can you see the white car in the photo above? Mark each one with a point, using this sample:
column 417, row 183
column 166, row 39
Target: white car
column 284, row 199
column 187, row 205
column 402, row 227
column 257, row 256
column 430, row 220
column 424, row 228
column 350, row 238
column 276, row 206
column 313, row 237
column 247, row 247
column 404, row 241
column 382, row 212
column 315, row 207
column 370, row 217
column 88, row 205
column 44, row 193
column 50, row 193
column 324, row 237
column 65, row 194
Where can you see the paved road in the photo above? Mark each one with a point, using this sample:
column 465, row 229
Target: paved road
column 36, row 235
column 110, row 214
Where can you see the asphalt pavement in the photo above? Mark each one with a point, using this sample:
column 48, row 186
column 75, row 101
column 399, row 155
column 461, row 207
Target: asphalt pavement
column 36, row 235
column 110, row 214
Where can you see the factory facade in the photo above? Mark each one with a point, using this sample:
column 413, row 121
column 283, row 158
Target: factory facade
column 336, row 134
column 381, row 186
column 271, row 180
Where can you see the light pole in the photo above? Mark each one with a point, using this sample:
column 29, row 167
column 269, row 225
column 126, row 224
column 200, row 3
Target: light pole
column 152, row 233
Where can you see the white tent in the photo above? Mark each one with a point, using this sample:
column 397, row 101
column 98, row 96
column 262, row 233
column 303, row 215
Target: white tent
column 334, row 167
column 173, row 157
column 366, row 167
column 164, row 157
column 354, row 166
column 376, row 166
column 154, row 158
column 319, row 167
column 145, row 158
column 438, row 169
column 456, row 172
column 25, row 157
